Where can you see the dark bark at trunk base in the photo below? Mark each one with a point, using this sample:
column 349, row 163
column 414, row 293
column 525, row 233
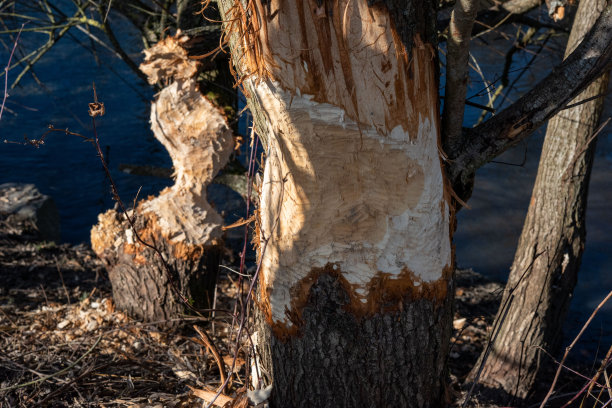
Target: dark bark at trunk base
column 155, row 290
column 394, row 359
column 148, row 293
column 145, row 293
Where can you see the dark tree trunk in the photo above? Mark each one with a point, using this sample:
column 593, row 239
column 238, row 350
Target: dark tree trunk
column 394, row 359
column 547, row 260
column 148, row 288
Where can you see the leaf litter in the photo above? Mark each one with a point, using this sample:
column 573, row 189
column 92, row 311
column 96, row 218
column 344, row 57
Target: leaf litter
column 63, row 343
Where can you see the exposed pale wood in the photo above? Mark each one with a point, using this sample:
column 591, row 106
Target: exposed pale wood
column 332, row 193
column 354, row 228
column 180, row 222
column 168, row 60
column 219, row 401
column 332, row 114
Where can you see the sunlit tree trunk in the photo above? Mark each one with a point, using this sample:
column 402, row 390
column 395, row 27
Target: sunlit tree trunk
column 354, row 295
column 547, row 260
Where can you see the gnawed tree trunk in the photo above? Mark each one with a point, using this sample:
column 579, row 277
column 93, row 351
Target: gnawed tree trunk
column 547, row 260
column 354, row 230
column 179, row 222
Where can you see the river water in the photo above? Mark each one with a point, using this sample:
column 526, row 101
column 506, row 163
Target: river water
column 69, row 171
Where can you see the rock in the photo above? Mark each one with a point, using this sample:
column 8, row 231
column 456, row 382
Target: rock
column 27, row 211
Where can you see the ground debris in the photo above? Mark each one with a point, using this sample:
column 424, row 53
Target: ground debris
column 64, row 344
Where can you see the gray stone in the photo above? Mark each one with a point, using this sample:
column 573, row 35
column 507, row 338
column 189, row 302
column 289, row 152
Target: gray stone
column 25, row 210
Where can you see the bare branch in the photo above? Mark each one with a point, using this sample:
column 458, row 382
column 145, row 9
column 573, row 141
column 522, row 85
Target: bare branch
column 117, row 46
column 485, row 142
column 6, row 70
column 457, row 58
column 494, row 15
column 520, row 6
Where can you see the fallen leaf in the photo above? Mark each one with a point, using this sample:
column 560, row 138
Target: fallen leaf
column 228, row 360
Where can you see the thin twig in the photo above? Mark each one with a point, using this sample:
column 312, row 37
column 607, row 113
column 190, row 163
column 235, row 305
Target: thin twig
column 205, row 340
column 570, row 168
column 592, row 98
column 602, row 370
column 41, row 140
column 243, row 314
column 59, row 270
column 6, row 70
column 569, row 348
column 60, row 372
column 110, row 2
column 504, row 309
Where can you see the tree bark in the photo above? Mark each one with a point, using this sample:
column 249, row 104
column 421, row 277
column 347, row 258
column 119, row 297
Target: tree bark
column 591, row 58
column 457, row 59
column 355, row 285
column 393, row 358
column 547, row 260
column 179, row 222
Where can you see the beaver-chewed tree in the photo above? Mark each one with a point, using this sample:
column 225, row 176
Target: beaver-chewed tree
column 356, row 206
column 179, row 222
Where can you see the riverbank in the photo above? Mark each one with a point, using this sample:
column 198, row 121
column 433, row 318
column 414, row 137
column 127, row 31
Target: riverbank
column 64, row 344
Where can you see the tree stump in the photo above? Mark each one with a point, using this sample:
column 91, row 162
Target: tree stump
column 180, row 222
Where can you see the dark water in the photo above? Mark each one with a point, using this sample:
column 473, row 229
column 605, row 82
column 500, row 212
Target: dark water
column 69, row 170
column 65, row 167
column 487, row 234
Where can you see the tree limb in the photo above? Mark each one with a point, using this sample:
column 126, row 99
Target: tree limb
column 485, row 142
column 492, row 16
column 520, row 6
column 457, row 58
column 117, row 46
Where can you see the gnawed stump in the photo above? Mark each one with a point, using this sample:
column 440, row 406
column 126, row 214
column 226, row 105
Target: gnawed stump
column 180, row 222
